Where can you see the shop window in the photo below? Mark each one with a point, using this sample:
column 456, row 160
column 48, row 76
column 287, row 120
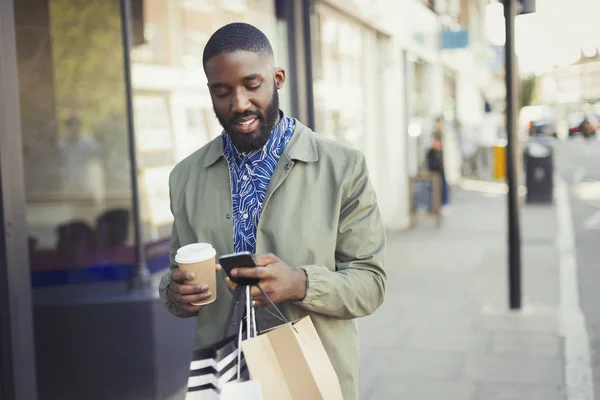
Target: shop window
column 76, row 152
column 78, row 188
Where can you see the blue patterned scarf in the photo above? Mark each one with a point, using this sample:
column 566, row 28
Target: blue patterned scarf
column 250, row 175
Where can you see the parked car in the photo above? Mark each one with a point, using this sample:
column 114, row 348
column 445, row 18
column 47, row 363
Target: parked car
column 544, row 127
column 538, row 120
column 582, row 124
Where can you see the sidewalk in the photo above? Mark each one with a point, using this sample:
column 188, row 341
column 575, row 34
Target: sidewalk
column 444, row 331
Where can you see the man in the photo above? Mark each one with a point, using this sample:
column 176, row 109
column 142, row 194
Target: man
column 271, row 186
column 435, row 163
column 81, row 157
column 488, row 135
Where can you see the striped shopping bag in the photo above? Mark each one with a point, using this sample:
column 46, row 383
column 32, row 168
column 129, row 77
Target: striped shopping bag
column 215, row 365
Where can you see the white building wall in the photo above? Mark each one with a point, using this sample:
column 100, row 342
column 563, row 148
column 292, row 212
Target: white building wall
column 472, row 84
column 384, row 138
column 415, row 34
column 422, row 43
column 392, row 76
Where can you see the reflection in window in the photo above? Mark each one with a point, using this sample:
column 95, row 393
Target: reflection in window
column 75, row 143
column 76, row 148
column 77, row 164
column 80, row 157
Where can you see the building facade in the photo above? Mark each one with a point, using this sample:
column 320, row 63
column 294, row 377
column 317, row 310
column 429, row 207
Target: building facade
column 571, row 92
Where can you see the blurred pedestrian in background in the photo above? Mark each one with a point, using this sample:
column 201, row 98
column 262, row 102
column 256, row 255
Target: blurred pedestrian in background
column 435, row 164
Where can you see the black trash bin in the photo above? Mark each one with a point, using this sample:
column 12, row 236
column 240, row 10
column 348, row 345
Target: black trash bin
column 539, row 171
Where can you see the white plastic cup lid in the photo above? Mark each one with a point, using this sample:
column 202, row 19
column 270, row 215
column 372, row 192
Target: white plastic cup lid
column 195, row 252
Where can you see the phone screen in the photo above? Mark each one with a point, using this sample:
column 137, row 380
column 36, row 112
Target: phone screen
column 238, row 260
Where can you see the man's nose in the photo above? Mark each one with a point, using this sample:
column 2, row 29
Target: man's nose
column 240, row 102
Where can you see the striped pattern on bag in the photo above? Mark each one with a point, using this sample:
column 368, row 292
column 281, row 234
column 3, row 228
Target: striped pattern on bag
column 212, row 367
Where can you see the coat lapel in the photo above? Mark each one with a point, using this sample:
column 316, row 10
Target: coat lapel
column 302, row 147
column 214, row 200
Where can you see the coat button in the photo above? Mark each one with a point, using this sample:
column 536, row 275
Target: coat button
column 287, row 166
column 228, row 216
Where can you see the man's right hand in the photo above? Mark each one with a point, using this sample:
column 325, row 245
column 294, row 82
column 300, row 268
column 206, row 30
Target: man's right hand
column 183, row 294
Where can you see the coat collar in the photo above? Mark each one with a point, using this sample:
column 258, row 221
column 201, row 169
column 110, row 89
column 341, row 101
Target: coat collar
column 302, row 147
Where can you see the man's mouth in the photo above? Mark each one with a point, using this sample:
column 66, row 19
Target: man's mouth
column 247, row 124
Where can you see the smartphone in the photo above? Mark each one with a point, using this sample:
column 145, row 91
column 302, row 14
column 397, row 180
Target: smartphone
column 238, row 260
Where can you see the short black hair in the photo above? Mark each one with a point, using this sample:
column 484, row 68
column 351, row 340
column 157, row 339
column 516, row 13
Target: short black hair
column 234, row 37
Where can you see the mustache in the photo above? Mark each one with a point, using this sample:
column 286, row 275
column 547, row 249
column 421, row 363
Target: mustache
column 236, row 117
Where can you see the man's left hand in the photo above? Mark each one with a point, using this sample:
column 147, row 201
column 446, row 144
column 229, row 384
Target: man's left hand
column 280, row 281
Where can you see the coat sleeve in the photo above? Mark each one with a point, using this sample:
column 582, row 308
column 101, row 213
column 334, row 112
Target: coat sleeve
column 166, row 278
column 357, row 287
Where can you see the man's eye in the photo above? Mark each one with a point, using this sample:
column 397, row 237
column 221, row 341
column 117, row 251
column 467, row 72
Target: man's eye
column 254, row 87
column 221, row 93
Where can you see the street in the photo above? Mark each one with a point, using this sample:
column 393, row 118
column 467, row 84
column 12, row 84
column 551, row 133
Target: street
column 578, row 164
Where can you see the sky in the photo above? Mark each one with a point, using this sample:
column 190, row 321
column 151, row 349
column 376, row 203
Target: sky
column 554, row 35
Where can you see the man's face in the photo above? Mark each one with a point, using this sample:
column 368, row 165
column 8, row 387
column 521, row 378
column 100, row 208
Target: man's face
column 243, row 87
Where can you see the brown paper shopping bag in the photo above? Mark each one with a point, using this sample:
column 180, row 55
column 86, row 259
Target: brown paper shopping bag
column 290, row 363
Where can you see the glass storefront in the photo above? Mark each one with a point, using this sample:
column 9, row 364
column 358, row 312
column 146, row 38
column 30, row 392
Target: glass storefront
column 78, row 178
column 75, row 146
column 74, row 120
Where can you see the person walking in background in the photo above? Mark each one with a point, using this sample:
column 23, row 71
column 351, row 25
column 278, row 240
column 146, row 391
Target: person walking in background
column 435, row 164
column 488, row 135
column 81, row 158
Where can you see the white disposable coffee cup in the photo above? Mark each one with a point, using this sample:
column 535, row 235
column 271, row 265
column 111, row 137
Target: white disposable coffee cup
column 199, row 258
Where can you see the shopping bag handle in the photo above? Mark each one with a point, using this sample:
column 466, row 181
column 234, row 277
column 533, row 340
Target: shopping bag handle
column 238, row 297
column 238, row 304
column 280, row 315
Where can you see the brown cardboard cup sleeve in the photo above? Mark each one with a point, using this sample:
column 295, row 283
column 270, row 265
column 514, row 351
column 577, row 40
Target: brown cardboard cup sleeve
column 199, row 258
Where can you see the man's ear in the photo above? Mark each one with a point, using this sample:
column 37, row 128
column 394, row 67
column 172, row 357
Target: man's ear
column 279, row 76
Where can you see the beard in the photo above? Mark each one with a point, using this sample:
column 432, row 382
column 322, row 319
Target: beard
column 247, row 142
